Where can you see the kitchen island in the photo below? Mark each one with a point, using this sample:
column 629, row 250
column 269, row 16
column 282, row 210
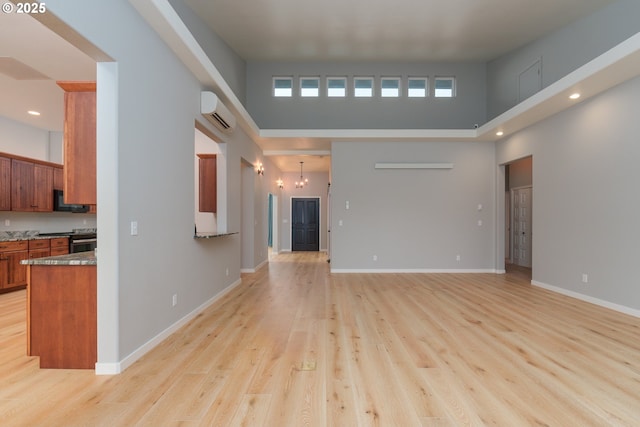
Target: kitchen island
column 61, row 310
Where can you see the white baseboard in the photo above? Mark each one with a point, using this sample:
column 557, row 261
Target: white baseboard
column 257, row 267
column 116, row 368
column 602, row 303
column 411, row 270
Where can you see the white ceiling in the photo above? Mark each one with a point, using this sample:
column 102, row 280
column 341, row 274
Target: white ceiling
column 299, row 30
column 383, row 30
column 25, row 40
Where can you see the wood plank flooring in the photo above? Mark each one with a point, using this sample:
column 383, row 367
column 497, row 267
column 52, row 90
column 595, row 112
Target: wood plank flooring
column 294, row 345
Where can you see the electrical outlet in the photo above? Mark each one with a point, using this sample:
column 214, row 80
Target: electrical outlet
column 174, row 300
column 7, row 222
column 134, row 228
column 457, row 257
column 375, row 257
column 585, row 278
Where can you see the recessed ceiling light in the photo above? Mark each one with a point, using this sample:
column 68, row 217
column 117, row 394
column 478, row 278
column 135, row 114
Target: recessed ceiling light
column 574, row 96
column 33, row 113
column 499, row 133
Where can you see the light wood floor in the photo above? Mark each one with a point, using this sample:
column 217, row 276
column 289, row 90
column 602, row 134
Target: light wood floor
column 294, row 345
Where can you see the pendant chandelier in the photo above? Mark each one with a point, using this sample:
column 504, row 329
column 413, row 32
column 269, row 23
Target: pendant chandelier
column 303, row 181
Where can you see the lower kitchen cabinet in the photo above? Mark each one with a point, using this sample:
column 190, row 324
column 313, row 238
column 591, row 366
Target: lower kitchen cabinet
column 12, row 273
column 62, row 316
column 59, row 246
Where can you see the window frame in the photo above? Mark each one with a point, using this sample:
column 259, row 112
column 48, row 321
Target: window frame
column 302, row 89
column 453, row 86
column 274, row 89
column 363, row 78
column 398, row 89
column 345, row 87
column 425, row 79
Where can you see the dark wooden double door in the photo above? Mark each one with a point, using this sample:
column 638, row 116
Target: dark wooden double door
column 305, row 224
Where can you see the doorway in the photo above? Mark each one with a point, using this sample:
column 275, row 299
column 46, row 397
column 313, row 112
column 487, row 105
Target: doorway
column 305, row 224
column 272, row 221
column 521, row 200
column 518, row 213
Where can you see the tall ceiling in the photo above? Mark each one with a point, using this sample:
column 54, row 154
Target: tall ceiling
column 380, row 30
column 32, row 57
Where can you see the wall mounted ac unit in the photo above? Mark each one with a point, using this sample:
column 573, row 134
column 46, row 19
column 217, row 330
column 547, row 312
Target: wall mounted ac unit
column 216, row 112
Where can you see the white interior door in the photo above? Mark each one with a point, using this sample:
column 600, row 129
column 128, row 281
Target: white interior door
column 521, row 226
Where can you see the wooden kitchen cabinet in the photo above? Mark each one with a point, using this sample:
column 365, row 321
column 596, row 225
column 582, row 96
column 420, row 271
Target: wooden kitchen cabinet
column 43, row 188
column 5, row 184
column 62, row 316
column 39, row 248
column 12, row 273
column 31, row 186
column 208, row 183
column 58, row 178
column 79, row 142
column 59, row 246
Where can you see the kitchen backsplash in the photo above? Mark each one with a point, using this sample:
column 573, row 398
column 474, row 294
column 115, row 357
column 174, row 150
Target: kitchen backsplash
column 45, row 222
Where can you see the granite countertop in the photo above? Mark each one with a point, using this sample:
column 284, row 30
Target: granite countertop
column 14, row 236
column 211, row 235
column 80, row 258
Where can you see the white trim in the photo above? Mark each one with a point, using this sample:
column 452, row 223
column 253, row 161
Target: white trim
column 268, row 153
column 375, row 134
column 411, row 270
column 602, row 303
column 116, row 368
column 413, row 166
column 256, row 268
column 108, row 368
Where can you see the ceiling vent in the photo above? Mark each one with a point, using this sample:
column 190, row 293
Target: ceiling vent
column 216, row 112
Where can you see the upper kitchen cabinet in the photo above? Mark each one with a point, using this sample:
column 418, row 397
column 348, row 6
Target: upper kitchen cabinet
column 31, row 186
column 79, row 142
column 58, row 178
column 5, row 184
column 208, row 198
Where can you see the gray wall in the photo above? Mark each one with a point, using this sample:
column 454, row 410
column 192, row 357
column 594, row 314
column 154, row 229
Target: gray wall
column 145, row 173
column 461, row 112
column 585, row 204
column 413, row 219
column 230, row 65
column 561, row 52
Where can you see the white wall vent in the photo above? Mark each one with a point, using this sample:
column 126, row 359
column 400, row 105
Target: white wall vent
column 216, row 112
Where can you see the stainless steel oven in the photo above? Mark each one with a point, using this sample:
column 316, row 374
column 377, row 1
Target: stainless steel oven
column 82, row 242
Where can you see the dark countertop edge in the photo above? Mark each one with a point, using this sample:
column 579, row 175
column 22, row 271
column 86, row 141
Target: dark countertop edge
column 80, row 258
column 212, row 235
